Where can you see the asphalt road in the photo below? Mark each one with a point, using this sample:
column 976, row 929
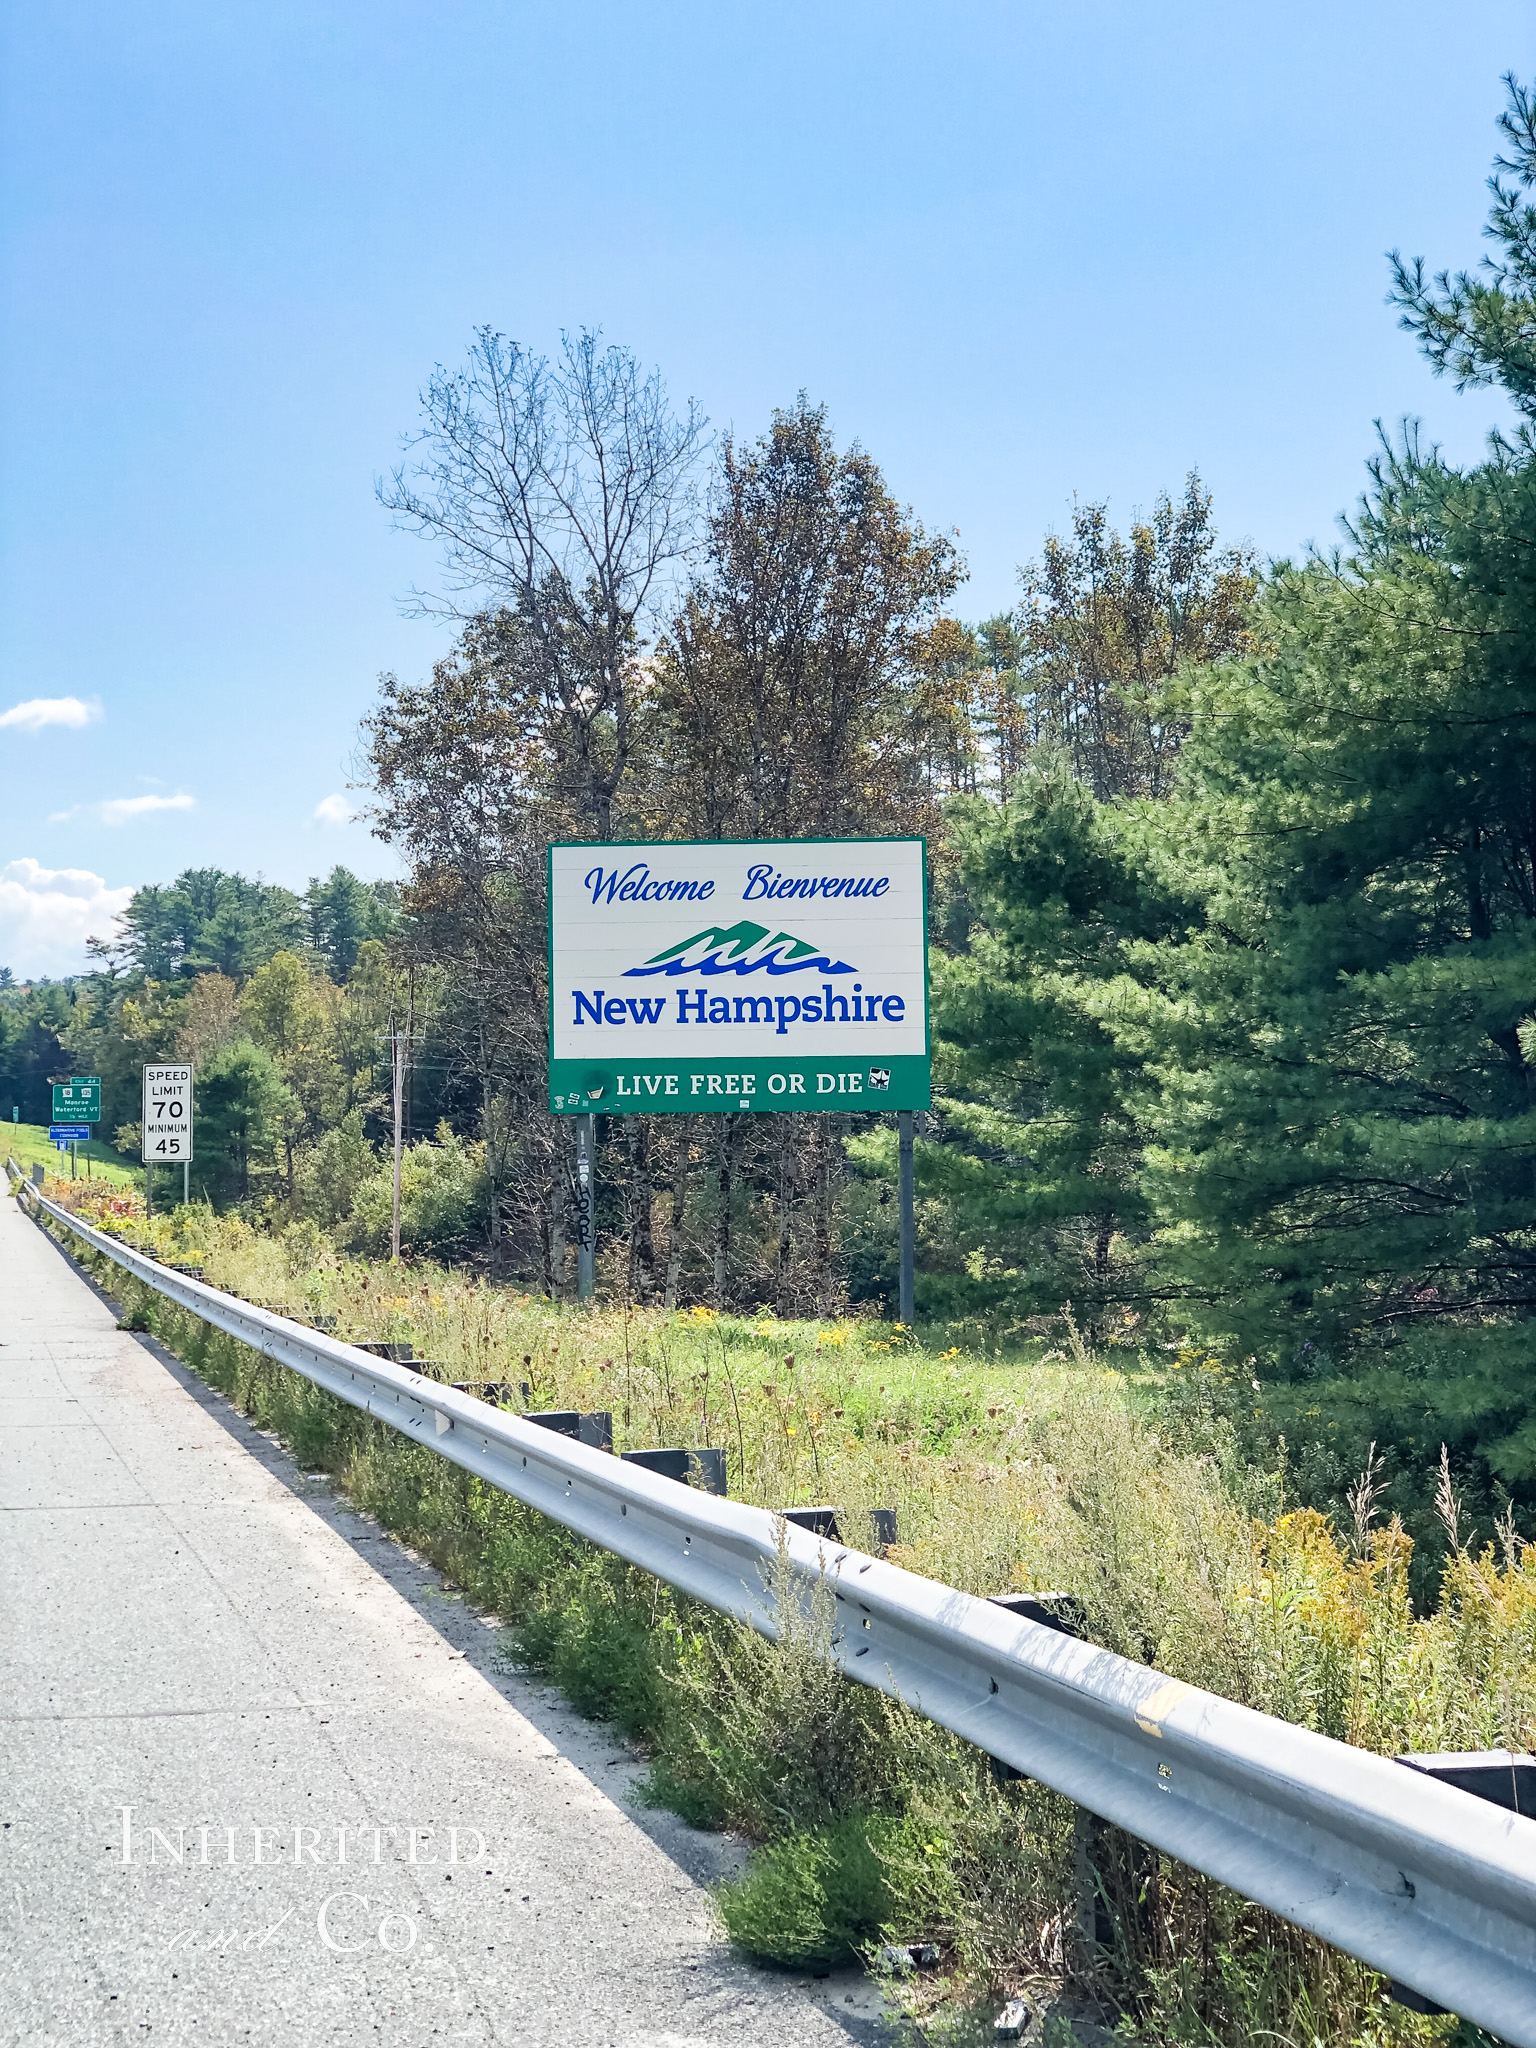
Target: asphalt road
column 262, row 1779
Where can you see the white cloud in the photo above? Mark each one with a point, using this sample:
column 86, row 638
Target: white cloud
column 117, row 810
column 47, row 914
column 40, row 711
column 334, row 810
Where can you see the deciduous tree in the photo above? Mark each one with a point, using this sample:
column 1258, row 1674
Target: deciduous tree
column 559, row 493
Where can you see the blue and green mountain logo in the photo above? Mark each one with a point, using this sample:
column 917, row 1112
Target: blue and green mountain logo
column 743, row 948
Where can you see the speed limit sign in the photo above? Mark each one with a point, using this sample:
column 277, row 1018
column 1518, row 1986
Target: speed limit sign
column 167, row 1114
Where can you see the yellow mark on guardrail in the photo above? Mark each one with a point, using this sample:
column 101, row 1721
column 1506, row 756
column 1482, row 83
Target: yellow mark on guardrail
column 1157, row 1706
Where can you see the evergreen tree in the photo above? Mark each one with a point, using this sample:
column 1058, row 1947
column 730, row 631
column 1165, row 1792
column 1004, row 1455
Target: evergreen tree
column 1040, row 1168
column 243, row 1107
column 343, row 914
column 1105, row 626
column 1344, row 1096
column 1324, row 1055
column 206, row 921
column 33, row 1021
column 1344, row 1105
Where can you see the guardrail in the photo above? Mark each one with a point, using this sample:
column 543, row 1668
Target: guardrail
column 1431, row 1886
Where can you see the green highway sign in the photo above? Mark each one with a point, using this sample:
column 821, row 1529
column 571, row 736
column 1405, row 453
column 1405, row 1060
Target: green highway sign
column 77, row 1101
column 729, row 975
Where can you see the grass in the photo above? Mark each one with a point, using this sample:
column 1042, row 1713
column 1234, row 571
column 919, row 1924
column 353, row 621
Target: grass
column 29, row 1145
column 1122, row 1486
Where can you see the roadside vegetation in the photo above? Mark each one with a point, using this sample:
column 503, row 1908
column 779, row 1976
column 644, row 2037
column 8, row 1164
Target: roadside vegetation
column 29, row 1145
column 1118, row 1479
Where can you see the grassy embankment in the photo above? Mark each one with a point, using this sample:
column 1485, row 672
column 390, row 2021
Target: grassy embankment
column 1121, row 1486
column 28, row 1144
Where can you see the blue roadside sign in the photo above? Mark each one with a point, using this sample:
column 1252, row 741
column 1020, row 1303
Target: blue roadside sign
column 64, row 1134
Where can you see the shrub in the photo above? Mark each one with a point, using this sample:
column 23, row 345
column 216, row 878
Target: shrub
column 332, row 1171
column 811, row 1900
column 442, row 1197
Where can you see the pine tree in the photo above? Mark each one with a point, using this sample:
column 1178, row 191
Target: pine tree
column 1346, row 1172
column 1040, row 1164
column 1107, row 622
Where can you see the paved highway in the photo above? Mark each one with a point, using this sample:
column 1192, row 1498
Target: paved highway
column 262, row 1779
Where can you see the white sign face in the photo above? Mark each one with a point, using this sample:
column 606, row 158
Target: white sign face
column 731, row 975
column 167, row 1115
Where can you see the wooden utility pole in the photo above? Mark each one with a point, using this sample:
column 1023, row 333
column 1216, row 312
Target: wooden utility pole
column 397, row 1053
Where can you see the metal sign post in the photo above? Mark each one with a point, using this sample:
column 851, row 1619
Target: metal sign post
column 908, row 1219
column 731, row 975
column 586, row 1213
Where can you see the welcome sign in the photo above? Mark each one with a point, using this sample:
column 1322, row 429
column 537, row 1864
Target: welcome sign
column 729, row 975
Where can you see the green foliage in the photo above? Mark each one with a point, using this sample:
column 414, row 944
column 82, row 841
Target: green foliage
column 769, row 1737
column 292, row 1012
column 871, row 1824
column 213, row 960
column 590, row 1634
column 243, row 1106
column 334, row 1169
column 344, row 914
column 1041, row 1164
column 1478, row 329
column 32, row 1056
column 442, row 1197
column 811, row 1900
column 206, row 921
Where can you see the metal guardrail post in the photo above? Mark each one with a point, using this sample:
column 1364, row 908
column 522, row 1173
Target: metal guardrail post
column 1420, row 1880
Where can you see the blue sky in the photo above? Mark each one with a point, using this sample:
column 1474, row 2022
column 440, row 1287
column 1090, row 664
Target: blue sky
column 1020, row 251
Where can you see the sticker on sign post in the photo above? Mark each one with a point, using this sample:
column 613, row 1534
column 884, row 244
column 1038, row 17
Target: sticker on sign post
column 738, row 975
column 167, row 1131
